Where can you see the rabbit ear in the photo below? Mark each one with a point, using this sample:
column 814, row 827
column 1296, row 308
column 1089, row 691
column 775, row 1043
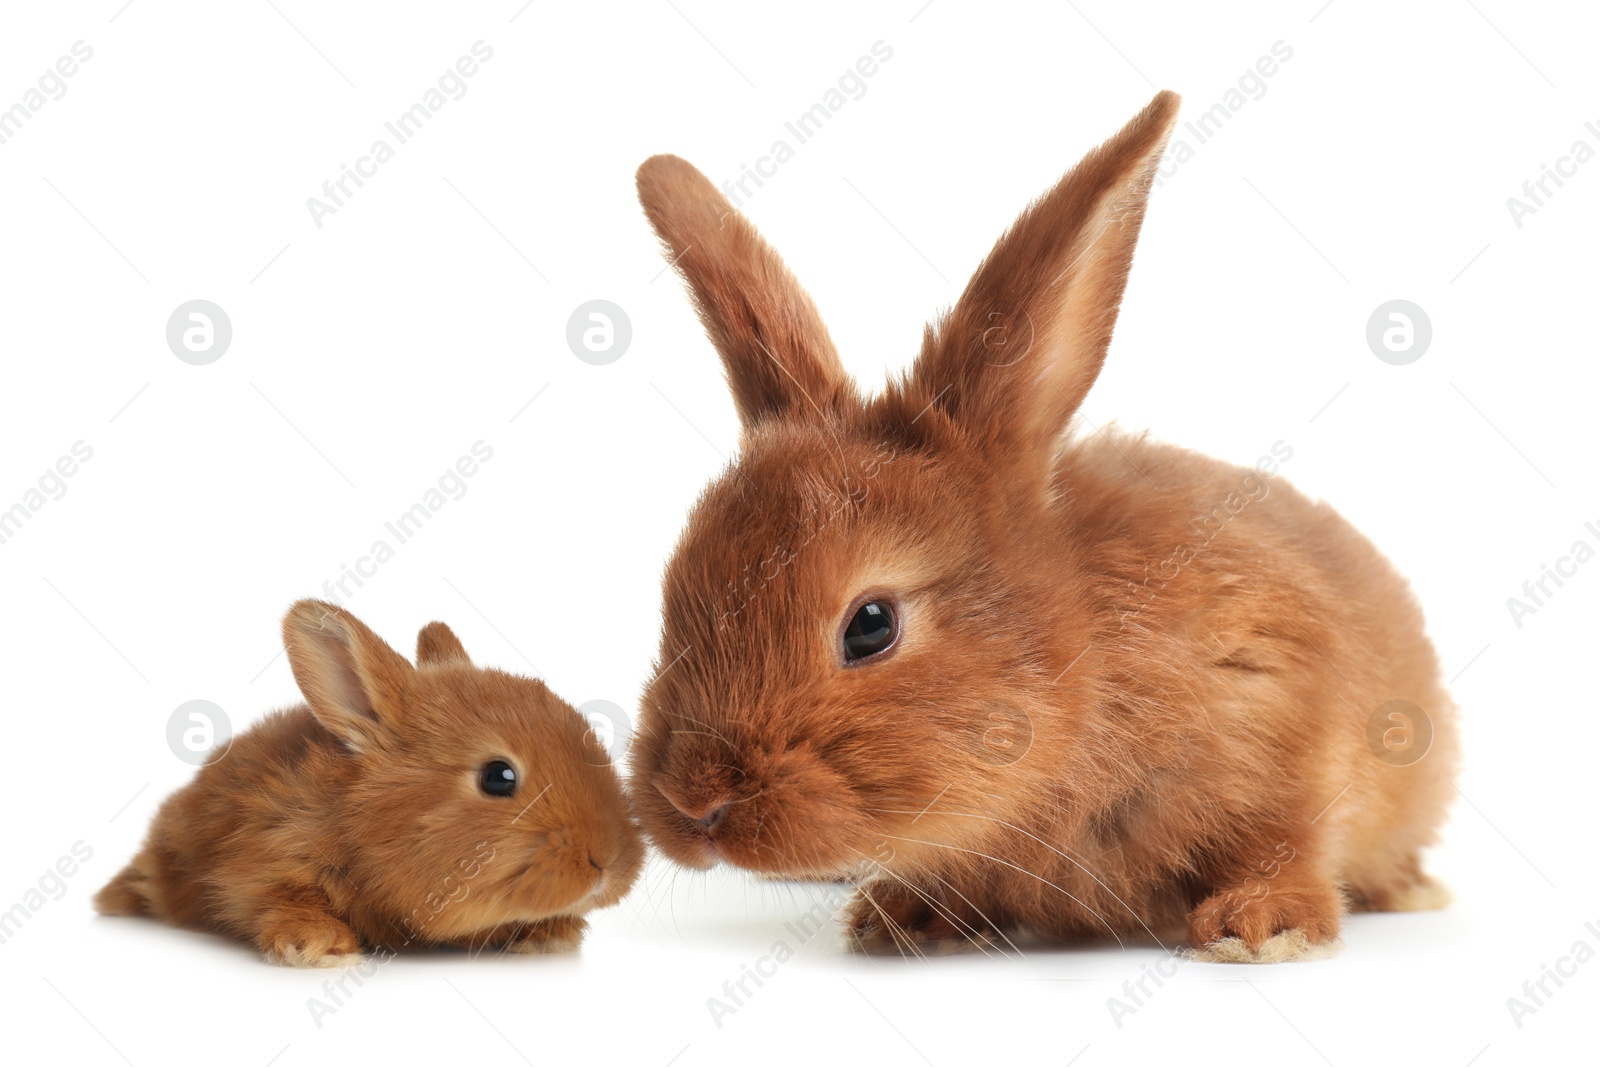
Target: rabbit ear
column 437, row 643
column 777, row 353
column 353, row 681
column 1014, row 358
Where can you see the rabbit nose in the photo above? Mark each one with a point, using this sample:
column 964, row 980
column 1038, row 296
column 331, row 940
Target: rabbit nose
column 707, row 816
column 709, row 821
column 705, row 806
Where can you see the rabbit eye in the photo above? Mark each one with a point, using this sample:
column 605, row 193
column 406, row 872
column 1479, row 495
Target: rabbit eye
column 497, row 778
column 871, row 631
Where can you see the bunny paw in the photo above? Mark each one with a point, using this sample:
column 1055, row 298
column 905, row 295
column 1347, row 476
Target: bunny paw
column 1291, row 946
column 561, row 933
column 1285, row 922
column 889, row 919
column 319, row 942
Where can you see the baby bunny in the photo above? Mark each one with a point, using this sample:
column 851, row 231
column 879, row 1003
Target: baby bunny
column 441, row 804
column 1006, row 677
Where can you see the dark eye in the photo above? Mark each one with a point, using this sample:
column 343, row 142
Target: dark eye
column 498, row 778
column 871, row 630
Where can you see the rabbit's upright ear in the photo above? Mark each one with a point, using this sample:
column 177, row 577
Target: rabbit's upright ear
column 1014, row 358
column 774, row 347
column 437, row 643
column 353, row 681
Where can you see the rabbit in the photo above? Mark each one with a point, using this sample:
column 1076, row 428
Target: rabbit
column 442, row 805
column 1007, row 678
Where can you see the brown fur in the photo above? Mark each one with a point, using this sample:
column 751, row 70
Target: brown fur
column 357, row 819
column 1069, row 739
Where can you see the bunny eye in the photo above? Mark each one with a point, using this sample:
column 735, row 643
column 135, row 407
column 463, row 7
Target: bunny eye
column 497, row 778
column 871, row 631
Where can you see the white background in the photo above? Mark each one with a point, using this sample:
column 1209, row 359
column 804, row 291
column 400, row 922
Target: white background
column 368, row 354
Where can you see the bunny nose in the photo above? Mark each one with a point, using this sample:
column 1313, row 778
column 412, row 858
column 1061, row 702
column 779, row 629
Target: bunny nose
column 707, row 816
column 709, row 821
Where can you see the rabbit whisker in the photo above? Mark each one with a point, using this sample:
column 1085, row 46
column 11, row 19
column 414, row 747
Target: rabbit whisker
column 961, row 925
column 1024, row 870
column 1070, row 859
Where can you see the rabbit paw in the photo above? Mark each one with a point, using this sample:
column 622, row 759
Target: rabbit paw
column 309, row 941
column 560, row 933
column 888, row 917
column 1278, row 924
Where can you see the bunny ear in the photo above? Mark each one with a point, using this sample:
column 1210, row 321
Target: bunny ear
column 777, row 353
column 353, row 681
column 437, row 643
column 1014, row 358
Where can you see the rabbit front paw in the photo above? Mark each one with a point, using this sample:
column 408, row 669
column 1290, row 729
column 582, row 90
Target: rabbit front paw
column 889, row 917
column 1266, row 922
column 559, row 933
column 308, row 940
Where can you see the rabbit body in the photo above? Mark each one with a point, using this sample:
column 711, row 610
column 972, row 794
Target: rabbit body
column 360, row 819
column 1015, row 680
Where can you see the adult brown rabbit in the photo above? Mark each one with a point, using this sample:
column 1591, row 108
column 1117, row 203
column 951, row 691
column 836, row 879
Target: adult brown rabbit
column 1007, row 677
column 441, row 804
